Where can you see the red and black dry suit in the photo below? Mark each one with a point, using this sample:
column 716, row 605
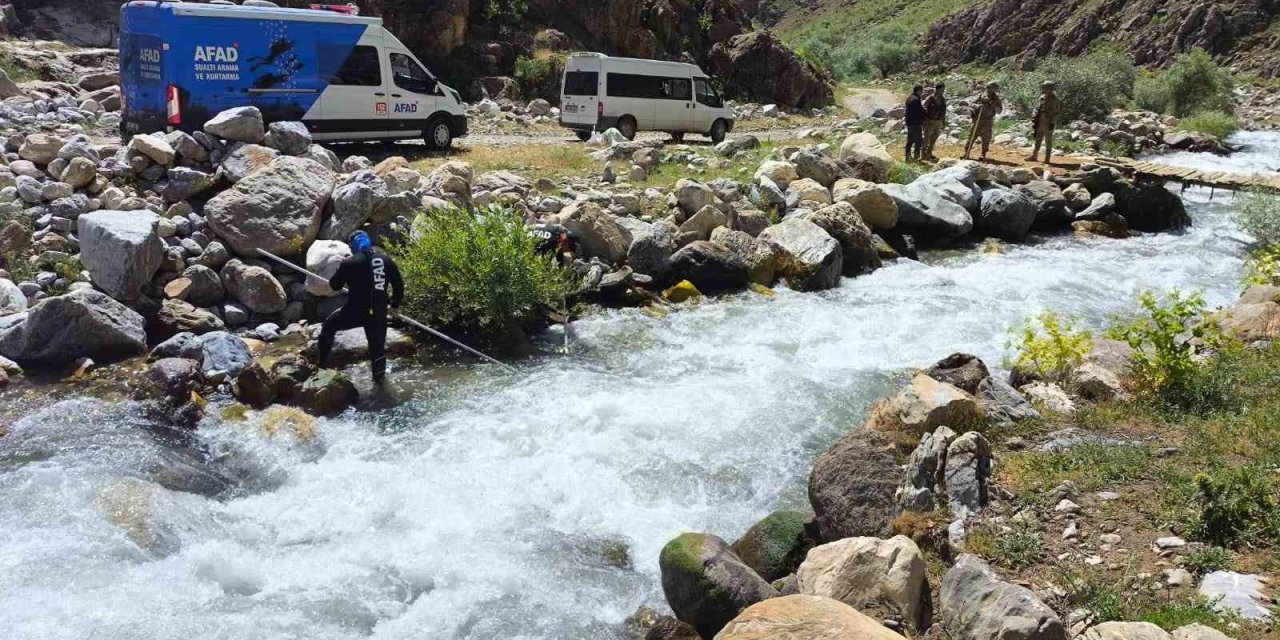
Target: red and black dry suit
column 367, row 276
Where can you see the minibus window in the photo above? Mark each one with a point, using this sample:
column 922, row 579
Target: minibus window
column 360, row 68
column 581, row 83
column 409, row 75
column 707, row 94
column 681, row 89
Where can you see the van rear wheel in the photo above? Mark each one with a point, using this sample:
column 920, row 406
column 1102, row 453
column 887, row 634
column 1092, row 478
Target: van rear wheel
column 678, row 136
column 439, row 135
column 718, row 129
column 627, row 127
column 583, row 135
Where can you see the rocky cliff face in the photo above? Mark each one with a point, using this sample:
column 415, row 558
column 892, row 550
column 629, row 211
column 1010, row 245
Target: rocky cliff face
column 1241, row 33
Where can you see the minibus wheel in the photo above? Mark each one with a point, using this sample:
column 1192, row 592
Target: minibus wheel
column 583, row 135
column 717, row 131
column 627, row 127
column 438, row 134
column 678, row 136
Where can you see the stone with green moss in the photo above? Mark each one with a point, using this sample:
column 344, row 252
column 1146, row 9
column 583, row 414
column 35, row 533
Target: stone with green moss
column 775, row 546
column 706, row 583
column 326, row 393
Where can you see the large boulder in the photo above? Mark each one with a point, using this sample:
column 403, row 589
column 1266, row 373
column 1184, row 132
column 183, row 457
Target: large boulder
column 599, row 234
column 254, row 287
column 83, row 323
column 711, row 267
column 289, row 138
column 977, row 605
column 928, row 212
column 651, row 248
column 1251, row 322
column 1005, row 213
column 327, row 393
column 761, row 257
column 1050, row 205
column 323, row 259
column 178, row 317
column 813, row 259
column 706, row 583
column 815, row 165
column 865, row 148
column 1150, row 207
column 277, row 209
column 876, row 207
column 852, row 486
column 776, row 545
column 693, row 196
column 779, row 172
column 961, row 370
column 198, row 285
column 353, row 204
column 967, row 474
column 700, row 225
column 864, row 570
column 223, row 355
column 245, row 160
column 240, row 124
column 924, row 405
column 857, row 247
column 926, row 476
column 40, row 148
column 803, row 617
column 121, row 250
column 766, row 70
column 806, row 190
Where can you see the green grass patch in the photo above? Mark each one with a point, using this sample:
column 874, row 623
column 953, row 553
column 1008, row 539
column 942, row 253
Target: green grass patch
column 1214, row 123
column 1090, row 466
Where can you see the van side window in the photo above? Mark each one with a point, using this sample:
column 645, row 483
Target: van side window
column 403, row 67
column 681, row 89
column 707, row 94
column 627, row 85
column 581, row 83
column 359, row 68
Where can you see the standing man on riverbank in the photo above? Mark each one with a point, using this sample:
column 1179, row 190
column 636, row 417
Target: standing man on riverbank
column 986, row 109
column 367, row 275
column 935, row 119
column 915, row 125
column 1045, row 120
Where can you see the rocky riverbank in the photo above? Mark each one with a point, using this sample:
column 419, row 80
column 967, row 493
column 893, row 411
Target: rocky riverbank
column 919, row 516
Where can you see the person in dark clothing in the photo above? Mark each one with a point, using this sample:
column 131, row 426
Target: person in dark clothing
column 935, row 120
column 367, row 275
column 915, row 125
column 557, row 240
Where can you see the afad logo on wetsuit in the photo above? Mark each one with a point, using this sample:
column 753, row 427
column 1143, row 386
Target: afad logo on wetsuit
column 379, row 274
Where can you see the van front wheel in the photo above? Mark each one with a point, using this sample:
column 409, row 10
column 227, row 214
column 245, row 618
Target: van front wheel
column 627, row 127
column 718, row 130
column 438, row 134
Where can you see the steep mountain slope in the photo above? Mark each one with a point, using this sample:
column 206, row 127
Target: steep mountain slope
column 1244, row 34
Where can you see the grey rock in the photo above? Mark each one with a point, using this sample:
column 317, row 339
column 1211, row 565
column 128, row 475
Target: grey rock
column 12, row 300
column 926, row 213
column 245, row 160
column 1051, row 206
column 185, row 182
column 177, row 316
column 978, row 605
column 289, row 138
column 121, row 250
column 1005, row 213
column 816, row 166
column 1002, row 404
column 816, row 259
column 968, row 473
column 706, row 583
column 277, row 209
column 242, row 124
column 80, row 324
column 353, row 204
column 181, row 345
column 926, row 471
column 852, row 486
column 1099, row 208
column 710, row 266
column 254, row 287
column 858, row 249
column 651, row 249
column 1238, row 593
column 223, row 355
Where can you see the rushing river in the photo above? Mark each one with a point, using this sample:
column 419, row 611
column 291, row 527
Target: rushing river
column 521, row 506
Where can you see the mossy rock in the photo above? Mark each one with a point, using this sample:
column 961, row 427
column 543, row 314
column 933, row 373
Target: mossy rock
column 706, row 583
column 775, row 546
column 327, row 393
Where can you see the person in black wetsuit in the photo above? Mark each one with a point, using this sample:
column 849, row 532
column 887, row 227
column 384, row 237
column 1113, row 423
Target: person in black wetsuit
column 367, row 275
column 914, row 120
column 555, row 240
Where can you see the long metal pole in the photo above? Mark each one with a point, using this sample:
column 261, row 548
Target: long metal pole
column 399, row 315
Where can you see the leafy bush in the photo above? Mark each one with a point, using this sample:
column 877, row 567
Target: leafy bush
column 1214, row 123
column 1051, row 349
column 479, row 271
column 1259, row 215
column 881, row 51
column 1164, row 365
column 1238, row 505
column 1209, row 559
column 1019, row 548
column 1193, row 83
column 539, row 76
column 1089, row 86
column 1263, row 266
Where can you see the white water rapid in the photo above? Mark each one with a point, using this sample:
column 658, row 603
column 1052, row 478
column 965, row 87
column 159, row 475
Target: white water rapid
column 494, row 506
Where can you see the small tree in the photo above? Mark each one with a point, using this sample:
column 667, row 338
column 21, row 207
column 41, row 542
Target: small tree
column 1193, row 83
column 477, row 270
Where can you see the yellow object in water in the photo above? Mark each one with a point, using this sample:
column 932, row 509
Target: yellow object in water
column 761, row 289
column 993, row 245
column 295, row 420
column 654, row 311
column 682, row 291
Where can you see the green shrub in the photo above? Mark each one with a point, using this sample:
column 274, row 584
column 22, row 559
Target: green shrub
column 1259, row 215
column 1089, row 86
column 1238, row 505
column 1049, row 346
column 1262, row 267
column 903, row 173
column 1193, row 83
column 880, row 51
column 1214, row 123
column 477, row 271
column 539, row 76
column 1164, row 364
column 1019, row 548
column 1209, row 559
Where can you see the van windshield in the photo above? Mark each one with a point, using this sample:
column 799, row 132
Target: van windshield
column 581, row 83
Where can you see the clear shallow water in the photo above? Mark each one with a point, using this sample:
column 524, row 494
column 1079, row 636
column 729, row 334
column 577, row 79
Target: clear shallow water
column 499, row 506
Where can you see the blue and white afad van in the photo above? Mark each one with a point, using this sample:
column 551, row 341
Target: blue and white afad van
column 342, row 75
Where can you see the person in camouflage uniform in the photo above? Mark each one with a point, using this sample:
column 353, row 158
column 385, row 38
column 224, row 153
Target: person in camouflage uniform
column 1045, row 119
column 986, row 109
column 935, row 119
